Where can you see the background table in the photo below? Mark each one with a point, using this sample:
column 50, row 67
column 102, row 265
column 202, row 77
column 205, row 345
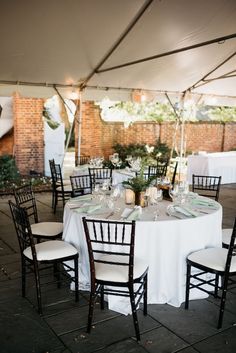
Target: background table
column 216, row 164
column 163, row 244
column 118, row 175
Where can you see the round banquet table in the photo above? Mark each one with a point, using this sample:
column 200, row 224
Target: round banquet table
column 164, row 244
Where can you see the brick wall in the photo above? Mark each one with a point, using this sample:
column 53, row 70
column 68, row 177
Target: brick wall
column 7, row 144
column 28, row 134
column 98, row 136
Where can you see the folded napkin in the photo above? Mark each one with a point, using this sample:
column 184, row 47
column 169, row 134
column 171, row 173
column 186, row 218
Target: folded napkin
column 183, row 211
column 135, row 214
column 206, row 203
column 88, row 209
column 81, row 198
column 187, row 211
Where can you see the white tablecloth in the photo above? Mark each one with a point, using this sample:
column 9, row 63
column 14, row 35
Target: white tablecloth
column 216, row 164
column 163, row 244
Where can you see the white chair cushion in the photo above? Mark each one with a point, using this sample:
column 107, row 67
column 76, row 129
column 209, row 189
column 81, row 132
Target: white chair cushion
column 51, row 250
column 118, row 273
column 226, row 235
column 214, row 258
column 49, row 229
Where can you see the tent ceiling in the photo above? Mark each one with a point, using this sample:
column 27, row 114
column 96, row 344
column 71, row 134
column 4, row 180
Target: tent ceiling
column 65, row 42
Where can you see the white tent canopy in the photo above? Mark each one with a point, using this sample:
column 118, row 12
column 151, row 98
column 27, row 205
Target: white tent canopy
column 110, row 47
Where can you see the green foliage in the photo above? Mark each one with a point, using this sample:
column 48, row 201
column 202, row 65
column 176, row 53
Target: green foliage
column 10, row 177
column 139, row 150
column 151, row 111
column 8, row 169
column 138, row 183
column 223, row 114
column 108, row 164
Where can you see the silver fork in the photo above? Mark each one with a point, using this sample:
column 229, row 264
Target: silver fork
column 110, row 214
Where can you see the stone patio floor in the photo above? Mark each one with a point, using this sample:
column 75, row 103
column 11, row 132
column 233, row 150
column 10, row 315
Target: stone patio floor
column 166, row 329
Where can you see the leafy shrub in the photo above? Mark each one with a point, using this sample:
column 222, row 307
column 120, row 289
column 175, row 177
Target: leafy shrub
column 139, row 150
column 8, row 169
column 10, row 177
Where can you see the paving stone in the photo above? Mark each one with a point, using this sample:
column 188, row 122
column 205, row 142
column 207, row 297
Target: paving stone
column 127, row 346
column 76, row 318
column 188, row 350
column 23, row 331
column 4, row 249
column 162, row 340
column 194, row 324
column 224, row 342
column 106, row 333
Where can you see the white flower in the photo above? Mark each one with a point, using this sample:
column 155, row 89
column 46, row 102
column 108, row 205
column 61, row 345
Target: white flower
column 149, row 149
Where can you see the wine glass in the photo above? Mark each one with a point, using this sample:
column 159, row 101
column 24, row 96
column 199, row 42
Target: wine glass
column 174, row 192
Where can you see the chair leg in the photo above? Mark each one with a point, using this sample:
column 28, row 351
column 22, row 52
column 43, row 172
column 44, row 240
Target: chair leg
column 91, row 308
column 102, row 297
column 145, row 296
column 222, row 303
column 23, row 278
column 56, row 272
column 188, row 275
column 216, row 286
column 76, row 264
column 55, row 202
column 38, row 289
column 134, row 313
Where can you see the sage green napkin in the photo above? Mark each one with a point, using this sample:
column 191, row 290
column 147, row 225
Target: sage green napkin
column 186, row 211
column 206, row 203
column 81, row 198
column 135, row 214
column 88, row 209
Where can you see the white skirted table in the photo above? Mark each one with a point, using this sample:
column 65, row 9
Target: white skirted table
column 214, row 164
column 118, row 175
column 164, row 244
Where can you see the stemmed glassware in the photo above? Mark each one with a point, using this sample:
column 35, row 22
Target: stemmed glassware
column 115, row 160
column 135, row 163
column 174, row 193
column 96, row 162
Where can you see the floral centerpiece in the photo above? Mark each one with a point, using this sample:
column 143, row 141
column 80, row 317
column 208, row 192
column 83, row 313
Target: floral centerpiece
column 140, row 182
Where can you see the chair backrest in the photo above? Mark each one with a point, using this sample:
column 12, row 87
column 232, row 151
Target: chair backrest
column 111, row 243
column 206, row 185
column 81, row 184
column 57, row 179
column 23, row 229
column 83, row 160
column 159, row 170
column 99, row 175
column 24, row 197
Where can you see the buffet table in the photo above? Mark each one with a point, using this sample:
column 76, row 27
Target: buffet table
column 163, row 243
column 214, row 164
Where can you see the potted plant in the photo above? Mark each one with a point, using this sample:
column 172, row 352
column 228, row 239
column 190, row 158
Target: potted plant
column 139, row 184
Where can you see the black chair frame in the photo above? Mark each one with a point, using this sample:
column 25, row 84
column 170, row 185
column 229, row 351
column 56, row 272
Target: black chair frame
column 213, row 282
column 98, row 175
column 24, row 197
column 81, row 185
column 112, row 233
column 59, row 193
column 28, row 266
column 81, row 160
column 208, row 186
